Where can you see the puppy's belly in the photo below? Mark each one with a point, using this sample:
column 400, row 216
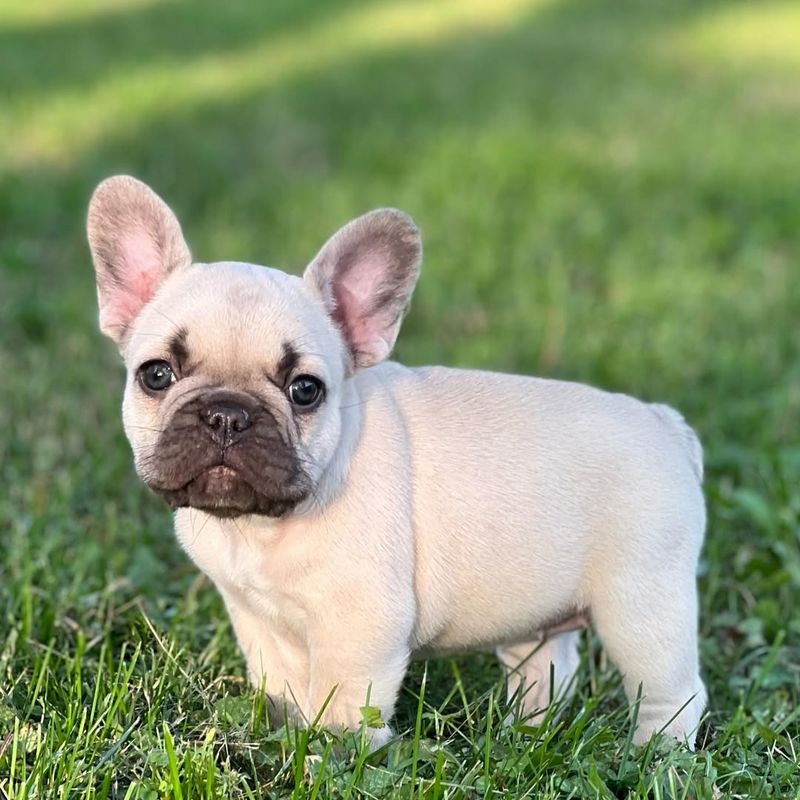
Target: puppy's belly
column 485, row 611
column 454, row 641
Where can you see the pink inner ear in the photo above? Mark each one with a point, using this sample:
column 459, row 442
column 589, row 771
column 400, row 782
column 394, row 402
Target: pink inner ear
column 366, row 277
column 139, row 272
column 366, row 327
column 349, row 314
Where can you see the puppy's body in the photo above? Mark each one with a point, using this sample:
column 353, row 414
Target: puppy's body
column 411, row 551
column 392, row 512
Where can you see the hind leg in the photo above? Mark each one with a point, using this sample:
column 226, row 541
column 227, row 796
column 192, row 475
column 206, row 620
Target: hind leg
column 648, row 625
column 540, row 671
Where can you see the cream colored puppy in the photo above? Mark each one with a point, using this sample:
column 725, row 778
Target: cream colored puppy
column 355, row 513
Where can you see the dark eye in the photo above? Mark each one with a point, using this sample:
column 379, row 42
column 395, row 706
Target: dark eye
column 305, row 391
column 156, row 375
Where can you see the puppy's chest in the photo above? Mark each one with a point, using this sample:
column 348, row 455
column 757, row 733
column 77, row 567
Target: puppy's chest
column 249, row 574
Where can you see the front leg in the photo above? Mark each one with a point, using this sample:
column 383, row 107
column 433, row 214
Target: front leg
column 354, row 666
column 276, row 663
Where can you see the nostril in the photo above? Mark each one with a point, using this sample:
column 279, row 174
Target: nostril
column 240, row 420
column 213, row 419
column 227, row 418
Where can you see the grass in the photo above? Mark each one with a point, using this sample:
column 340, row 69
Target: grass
column 608, row 193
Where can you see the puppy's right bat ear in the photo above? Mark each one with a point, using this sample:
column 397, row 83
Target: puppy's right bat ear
column 136, row 241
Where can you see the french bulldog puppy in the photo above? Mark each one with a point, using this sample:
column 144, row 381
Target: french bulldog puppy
column 355, row 513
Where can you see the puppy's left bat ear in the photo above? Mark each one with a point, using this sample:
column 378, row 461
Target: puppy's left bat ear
column 365, row 275
column 136, row 241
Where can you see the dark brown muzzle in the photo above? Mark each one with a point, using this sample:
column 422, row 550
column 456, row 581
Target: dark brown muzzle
column 228, row 454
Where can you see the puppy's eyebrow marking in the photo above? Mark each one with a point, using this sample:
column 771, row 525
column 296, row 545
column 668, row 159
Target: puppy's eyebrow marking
column 178, row 348
column 287, row 364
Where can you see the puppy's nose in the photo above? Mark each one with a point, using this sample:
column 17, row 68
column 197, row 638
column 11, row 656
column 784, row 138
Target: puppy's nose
column 225, row 421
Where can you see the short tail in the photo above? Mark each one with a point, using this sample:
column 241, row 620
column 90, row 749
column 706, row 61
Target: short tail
column 691, row 443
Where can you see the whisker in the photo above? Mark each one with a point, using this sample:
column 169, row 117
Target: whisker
column 146, row 428
column 352, row 405
column 174, row 324
column 241, row 532
column 208, row 518
column 192, row 521
column 148, row 333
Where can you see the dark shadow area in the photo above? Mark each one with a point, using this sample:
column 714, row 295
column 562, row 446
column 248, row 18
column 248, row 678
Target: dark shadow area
column 43, row 57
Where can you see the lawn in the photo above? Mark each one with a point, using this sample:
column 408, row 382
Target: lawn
column 608, row 192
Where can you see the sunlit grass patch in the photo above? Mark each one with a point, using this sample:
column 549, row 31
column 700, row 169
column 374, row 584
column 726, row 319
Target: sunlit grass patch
column 748, row 34
column 46, row 12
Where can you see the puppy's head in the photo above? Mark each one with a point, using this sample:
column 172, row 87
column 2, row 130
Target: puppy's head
column 235, row 371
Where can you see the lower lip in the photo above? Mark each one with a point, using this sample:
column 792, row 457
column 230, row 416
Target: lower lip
column 222, row 472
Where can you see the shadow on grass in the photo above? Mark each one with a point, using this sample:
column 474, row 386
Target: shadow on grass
column 42, row 57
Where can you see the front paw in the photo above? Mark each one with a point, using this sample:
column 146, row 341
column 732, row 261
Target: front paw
column 378, row 737
column 373, row 733
column 365, row 740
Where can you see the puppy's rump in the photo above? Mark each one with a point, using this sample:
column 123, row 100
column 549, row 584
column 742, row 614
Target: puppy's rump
column 691, row 442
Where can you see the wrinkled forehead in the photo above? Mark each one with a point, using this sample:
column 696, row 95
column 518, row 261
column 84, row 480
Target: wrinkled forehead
column 233, row 320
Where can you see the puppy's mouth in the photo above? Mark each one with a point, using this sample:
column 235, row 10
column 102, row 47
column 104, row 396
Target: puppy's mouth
column 220, row 490
column 223, row 491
